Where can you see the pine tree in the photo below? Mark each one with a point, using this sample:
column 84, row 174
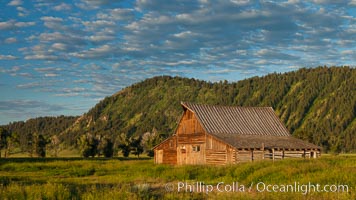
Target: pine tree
column 40, row 145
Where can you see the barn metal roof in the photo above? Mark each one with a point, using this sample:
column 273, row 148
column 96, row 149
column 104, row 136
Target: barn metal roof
column 238, row 120
column 246, row 127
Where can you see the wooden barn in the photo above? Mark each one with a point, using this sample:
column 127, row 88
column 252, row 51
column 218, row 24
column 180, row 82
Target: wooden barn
column 219, row 135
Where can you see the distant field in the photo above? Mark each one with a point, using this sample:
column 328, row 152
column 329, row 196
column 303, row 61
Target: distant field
column 66, row 153
column 77, row 178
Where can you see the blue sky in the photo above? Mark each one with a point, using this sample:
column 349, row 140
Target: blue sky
column 62, row 57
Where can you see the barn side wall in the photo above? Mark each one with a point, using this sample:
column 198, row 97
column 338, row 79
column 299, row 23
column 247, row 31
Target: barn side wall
column 166, row 152
column 245, row 155
column 219, row 153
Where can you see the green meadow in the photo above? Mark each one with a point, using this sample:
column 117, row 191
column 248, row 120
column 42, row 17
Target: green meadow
column 97, row 178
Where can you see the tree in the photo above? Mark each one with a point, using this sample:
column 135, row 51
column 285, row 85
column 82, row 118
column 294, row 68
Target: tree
column 124, row 144
column 149, row 140
column 27, row 145
column 106, row 147
column 136, row 146
column 84, row 146
column 88, row 145
column 40, row 145
column 4, row 134
column 12, row 142
column 55, row 145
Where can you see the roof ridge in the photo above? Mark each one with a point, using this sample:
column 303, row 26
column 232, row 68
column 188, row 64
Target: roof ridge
column 234, row 106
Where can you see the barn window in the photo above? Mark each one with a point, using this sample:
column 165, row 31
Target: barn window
column 196, row 148
column 171, row 144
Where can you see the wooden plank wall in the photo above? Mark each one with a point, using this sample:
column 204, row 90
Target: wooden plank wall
column 186, row 155
column 169, row 155
column 215, row 157
column 198, row 138
column 245, row 155
column 189, row 124
column 218, row 153
column 190, row 135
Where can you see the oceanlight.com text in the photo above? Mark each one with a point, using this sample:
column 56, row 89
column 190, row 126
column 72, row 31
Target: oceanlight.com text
column 295, row 187
column 301, row 188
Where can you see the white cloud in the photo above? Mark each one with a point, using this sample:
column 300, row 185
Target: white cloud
column 103, row 51
column 7, row 57
column 95, row 4
column 51, row 75
column 24, row 24
column 62, row 7
column 12, row 24
column 53, row 22
column 117, row 14
column 13, row 70
column 58, row 37
column 29, row 85
column 22, row 12
column 20, row 105
column 348, row 52
column 101, row 38
column 51, row 19
column 94, row 25
column 15, row 3
column 48, row 69
column 60, row 46
column 10, row 40
column 184, row 34
column 6, row 25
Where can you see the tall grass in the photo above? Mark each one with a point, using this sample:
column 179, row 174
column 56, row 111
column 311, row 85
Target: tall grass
column 141, row 179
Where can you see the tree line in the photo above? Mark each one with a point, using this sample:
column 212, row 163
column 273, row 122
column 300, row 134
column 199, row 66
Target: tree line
column 35, row 145
column 89, row 145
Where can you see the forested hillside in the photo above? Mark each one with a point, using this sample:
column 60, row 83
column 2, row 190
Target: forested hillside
column 20, row 136
column 316, row 104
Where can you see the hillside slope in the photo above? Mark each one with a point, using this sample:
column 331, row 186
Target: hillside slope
column 317, row 104
column 24, row 132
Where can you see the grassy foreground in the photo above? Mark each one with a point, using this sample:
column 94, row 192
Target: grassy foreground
column 75, row 178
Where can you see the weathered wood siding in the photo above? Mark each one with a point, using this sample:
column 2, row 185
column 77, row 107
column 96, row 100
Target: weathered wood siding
column 191, row 140
column 189, row 124
column 166, row 152
column 245, row 155
column 190, row 134
column 219, row 153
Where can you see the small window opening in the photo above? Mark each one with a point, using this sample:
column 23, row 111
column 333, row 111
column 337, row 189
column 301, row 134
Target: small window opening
column 196, row 148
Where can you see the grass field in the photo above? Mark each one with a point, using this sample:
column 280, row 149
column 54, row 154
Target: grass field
column 76, row 178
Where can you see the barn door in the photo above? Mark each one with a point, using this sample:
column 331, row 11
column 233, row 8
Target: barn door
column 159, row 156
column 182, row 156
